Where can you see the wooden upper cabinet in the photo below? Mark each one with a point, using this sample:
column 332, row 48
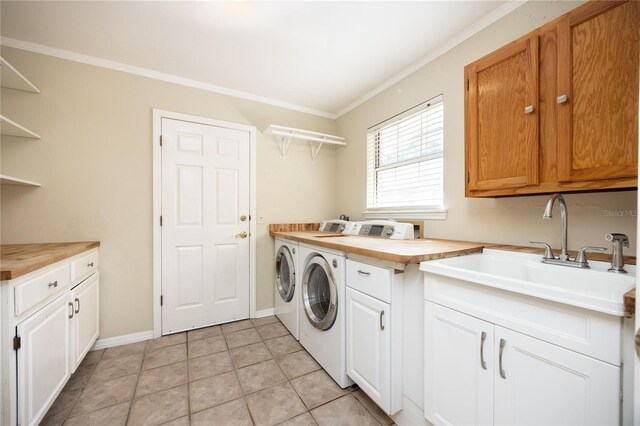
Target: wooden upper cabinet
column 580, row 73
column 501, row 117
column 598, row 73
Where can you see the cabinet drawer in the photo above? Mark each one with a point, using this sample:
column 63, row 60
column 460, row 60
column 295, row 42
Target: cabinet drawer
column 40, row 288
column 84, row 265
column 371, row 280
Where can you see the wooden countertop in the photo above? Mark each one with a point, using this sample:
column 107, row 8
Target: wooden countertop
column 20, row 259
column 404, row 251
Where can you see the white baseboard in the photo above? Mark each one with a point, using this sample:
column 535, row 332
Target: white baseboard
column 411, row 414
column 110, row 342
column 265, row 312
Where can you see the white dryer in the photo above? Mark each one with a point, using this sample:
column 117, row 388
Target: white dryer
column 287, row 298
column 322, row 309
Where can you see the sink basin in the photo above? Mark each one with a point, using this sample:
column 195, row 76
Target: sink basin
column 594, row 288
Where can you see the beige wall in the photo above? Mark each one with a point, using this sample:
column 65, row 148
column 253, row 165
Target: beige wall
column 94, row 163
column 500, row 220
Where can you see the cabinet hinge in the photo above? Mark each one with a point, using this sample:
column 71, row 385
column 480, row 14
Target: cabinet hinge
column 467, row 91
column 17, row 343
column 161, row 300
column 160, row 140
column 468, row 176
column 160, row 220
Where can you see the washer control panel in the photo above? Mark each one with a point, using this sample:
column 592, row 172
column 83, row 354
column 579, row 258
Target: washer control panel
column 337, row 225
column 384, row 229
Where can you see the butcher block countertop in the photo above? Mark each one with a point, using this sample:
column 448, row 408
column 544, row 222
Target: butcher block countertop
column 20, row 259
column 398, row 251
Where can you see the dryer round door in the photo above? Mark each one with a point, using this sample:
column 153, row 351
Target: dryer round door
column 285, row 274
column 319, row 293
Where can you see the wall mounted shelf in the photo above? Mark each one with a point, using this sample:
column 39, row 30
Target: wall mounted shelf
column 12, row 180
column 12, row 79
column 316, row 140
column 11, row 128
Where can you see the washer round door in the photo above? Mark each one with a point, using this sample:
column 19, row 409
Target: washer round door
column 319, row 293
column 285, row 274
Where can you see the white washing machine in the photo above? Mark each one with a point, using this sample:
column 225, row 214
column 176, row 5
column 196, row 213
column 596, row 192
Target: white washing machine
column 287, row 297
column 322, row 309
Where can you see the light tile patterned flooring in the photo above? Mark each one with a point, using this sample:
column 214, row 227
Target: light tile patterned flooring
column 241, row 373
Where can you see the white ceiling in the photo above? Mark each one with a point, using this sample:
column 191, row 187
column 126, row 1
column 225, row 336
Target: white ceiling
column 320, row 57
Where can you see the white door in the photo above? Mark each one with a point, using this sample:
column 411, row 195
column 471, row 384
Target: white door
column 86, row 316
column 543, row 384
column 369, row 346
column 43, row 359
column 205, row 226
column 459, row 366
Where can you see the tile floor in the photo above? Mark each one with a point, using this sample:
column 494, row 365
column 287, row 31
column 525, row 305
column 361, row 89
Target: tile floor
column 242, row 373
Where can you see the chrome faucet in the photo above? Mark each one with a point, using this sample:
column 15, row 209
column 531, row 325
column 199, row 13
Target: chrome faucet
column 617, row 260
column 564, row 255
column 563, row 258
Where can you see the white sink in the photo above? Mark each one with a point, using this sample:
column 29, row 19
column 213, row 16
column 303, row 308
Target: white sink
column 594, row 288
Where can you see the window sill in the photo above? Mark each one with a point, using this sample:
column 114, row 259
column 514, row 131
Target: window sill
column 406, row 213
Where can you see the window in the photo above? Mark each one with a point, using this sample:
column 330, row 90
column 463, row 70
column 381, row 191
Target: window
column 405, row 164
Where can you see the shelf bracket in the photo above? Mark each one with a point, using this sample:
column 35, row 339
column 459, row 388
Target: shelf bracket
column 315, row 149
column 284, row 145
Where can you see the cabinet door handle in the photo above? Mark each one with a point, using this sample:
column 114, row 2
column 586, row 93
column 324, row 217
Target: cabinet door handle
column 503, row 374
column 90, row 265
column 78, row 308
column 528, row 109
column 53, row 284
column 364, row 272
column 71, row 306
column 483, row 363
column 561, row 99
column 381, row 324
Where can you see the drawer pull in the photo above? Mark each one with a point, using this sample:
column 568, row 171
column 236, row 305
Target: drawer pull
column 528, row 109
column 77, row 311
column 561, row 99
column 53, row 284
column 381, row 324
column 90, row 265
column 483, row 363
column 364, row 272
column 71, row 306
column 503, row 374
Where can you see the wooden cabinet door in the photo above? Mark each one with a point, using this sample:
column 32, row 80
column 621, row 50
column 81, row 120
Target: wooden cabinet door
column 369, row 346
column 85, row 323
column 43, row 359
column 598, row 73
column 458, row 367
column 537, row 383
column 501, row 118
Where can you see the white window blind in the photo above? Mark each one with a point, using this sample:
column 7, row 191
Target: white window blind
column 405, row 160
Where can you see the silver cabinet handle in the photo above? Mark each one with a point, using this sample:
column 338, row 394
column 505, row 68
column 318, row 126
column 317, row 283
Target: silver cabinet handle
column 561, row 99
column 528, row 109
column 364, row 272
column 381, row 324
column 53, row 284
column 483, row 363
column 78, row 308
column 502, row 372
column 90, row 265
column 71, row 306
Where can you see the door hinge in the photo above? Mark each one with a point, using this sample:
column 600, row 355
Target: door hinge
column 161, row 300
column 249, row 218
column 468, row 176
column 160, row 140
column 160, row 220
column 17, row 343
column 467, row 91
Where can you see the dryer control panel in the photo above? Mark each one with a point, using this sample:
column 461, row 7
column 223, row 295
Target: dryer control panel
column 337, row 225
column 384, row 229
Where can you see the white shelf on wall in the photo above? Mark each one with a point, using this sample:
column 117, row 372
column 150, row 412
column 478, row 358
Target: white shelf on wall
column 11, row 128
column 12, row 180
column 12, row 79
column 316, row 140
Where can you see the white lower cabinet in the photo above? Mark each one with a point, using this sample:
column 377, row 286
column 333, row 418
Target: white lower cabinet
column 369, row 346
column 480, row 373
column 42, row 359
column 85, row 322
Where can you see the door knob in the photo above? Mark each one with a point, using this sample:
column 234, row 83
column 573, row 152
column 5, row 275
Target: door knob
column 243, row 234
column 243, row 218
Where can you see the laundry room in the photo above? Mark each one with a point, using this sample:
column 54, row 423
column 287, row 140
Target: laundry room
column 309, row 212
